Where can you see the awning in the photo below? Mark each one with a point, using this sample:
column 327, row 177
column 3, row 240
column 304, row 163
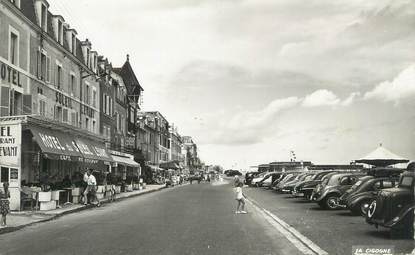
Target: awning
column 93, row 152
column 155, row 168
column 170, row 165
column 55, row 145
column 125, row 161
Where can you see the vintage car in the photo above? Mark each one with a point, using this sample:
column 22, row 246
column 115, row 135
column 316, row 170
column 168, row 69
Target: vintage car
column 314, row 186
column 275, row 183
column 232, row 173
column 289, row 177
column 305, row 188
column 258, row 178
column 332, row 188
column 268, row 179
column 358, row 198
column 289, row 186
column 249, row 177
column 393, row 208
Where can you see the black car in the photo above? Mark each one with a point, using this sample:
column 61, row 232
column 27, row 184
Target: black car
column 394, row 208
column 249, row 177
column 332, row 188
column 232, row 173
column 359, row 199
column 306, row 188
column 289, row 186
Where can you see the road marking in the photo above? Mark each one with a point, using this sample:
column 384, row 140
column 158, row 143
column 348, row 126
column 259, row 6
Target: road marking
column 305, row 245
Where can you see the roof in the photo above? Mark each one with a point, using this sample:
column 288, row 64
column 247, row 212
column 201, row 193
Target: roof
column 382, row 157
column 28, row 10
column 129, row 78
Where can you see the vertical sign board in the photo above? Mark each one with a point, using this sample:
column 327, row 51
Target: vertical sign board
column 10, row 158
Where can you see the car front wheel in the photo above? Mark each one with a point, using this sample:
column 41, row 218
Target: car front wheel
column 330, row 202
column 364, row 207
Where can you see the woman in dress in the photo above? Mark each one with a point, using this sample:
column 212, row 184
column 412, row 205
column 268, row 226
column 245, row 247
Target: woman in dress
column 4, row 203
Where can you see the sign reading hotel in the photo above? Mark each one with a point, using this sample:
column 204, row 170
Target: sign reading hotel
column 10, row 75
column 10, row 144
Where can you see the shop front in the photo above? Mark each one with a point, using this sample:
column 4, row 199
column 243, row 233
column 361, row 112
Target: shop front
column 10, row 158
column 126, row 169
column 46, row 163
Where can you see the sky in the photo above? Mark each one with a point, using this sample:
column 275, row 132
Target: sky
column 252, row 80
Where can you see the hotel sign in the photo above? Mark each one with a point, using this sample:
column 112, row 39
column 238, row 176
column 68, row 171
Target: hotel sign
column 10, row 144
column 10, row 75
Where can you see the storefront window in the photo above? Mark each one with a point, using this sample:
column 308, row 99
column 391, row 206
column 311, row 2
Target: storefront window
column 4, row 174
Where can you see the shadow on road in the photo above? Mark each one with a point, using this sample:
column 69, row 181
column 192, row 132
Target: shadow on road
column 384, row 234
column 302, row 201
column 349, row 214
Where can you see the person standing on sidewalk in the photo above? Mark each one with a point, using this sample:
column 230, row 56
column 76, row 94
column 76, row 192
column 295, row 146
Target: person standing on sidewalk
column 4, row 203
column 86, row 187
column 92, row 187
column 240, row 198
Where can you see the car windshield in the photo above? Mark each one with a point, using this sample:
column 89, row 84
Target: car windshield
column 334, row 180
column 308, row 177
column 325, row 180
column 291, row 177
column 406, row 181
column 356, row 185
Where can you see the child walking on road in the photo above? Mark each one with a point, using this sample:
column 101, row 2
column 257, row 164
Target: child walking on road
column 4, row 203
column 240, row 198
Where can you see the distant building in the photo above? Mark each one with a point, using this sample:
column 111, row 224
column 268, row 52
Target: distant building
column 190, row 154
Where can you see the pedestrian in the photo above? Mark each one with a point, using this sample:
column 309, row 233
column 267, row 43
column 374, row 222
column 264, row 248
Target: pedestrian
column 4, row 203
column 86, row 187
column 236, row 181
column 240, row 198
column 92, row 187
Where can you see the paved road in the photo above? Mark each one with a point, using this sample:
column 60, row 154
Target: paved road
column 333, row 231
column 192, row 219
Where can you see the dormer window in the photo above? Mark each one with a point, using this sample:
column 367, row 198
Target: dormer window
column 73, row 48
column 41, row 7
column 60, row 32
column 71, row 38
column 57, row 23
column 88, row 57
column 44, row 17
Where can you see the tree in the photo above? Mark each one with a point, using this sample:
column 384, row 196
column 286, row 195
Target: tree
column 218, row 168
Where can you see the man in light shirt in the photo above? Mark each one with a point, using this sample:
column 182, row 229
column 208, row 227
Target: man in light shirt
column 87, row 188
column 92, row 186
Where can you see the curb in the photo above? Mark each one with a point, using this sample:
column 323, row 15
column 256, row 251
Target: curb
column 56, row 216
column 303, row 244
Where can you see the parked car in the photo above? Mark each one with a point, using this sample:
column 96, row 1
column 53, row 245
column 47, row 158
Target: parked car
column 307, row 188
column 232, row 173
column 258, row 178
column 249, row 177
column 289, row 177
column 275, row 183
column 363, row 192
column 268, row 179
column 288, row 187
column 332, row 188
column 393, row 208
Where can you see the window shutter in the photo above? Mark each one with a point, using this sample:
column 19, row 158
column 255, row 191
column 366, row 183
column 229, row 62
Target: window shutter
column 4, row 102
column 27, row 104
column 38, row 68
column 11, row 105
column 48, row 69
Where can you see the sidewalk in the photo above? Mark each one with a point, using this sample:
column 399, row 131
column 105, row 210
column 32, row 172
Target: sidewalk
column 19, row 220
